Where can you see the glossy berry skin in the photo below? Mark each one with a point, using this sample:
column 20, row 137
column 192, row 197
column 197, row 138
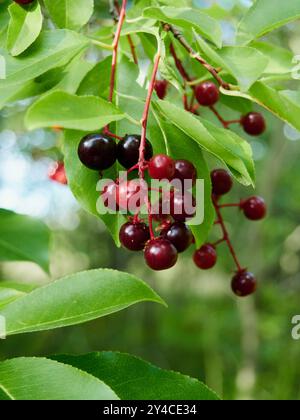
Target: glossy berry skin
column 128, row 150
column 131, row 195
column 160, row 254
column 182, row 206
column 254, row 208
column 221, row 182
column 161, row 167
column 57, row 173
column 185, row 170
column 254, row 123
column 179, row 235
column 205, row 257
column 243, row 284
column 109, row 196
column 134, row 236
column 207, row 94
column 23, row 2
column 97, row 152
column 161, row 88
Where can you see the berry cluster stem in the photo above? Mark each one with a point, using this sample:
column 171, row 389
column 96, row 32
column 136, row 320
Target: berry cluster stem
column 226, row 237
column 214, row 72
column 115, row 49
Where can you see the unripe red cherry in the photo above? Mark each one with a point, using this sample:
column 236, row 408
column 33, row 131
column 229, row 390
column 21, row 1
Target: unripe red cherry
column 205, row 257
column 131, row 195
column 254, row 123
column 23, row 2
column 179, row 235
column 128, row 150
column 134, row 236
column 160, row 254
column 57, row 173
column 244, row 283
column 182, row 206
column 254, row 208
column 161, row 88
column 221, row 182
column 207, row 94
column 97, row 152
column 185, row 170
column 161, row 167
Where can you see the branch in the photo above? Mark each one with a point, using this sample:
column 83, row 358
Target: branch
column 214, row 72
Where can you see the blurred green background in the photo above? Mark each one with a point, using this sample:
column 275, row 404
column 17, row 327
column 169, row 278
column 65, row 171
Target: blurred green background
column 243, row 349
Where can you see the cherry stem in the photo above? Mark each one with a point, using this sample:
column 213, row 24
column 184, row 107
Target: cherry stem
column 220, row 241
column 222, row 206
column 110, row 134
column 116, row 8
column 115, row 49
column 179, row 65
column 214, row 72
column 225, row 123
column 225, row 238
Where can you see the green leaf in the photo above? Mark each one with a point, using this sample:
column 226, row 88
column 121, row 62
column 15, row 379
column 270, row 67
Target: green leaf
column 245, row 64
column 97, row 80
column 83, row 183
column 75, row 299
column 265, row 16
column 70, row 14
column 284, row 104
column 227, row 146
column 70, row 111
column 24, row 27
column 280, row 59
column 23, row 239
column 30, row 378
column 11, row 291
column 132, row 378
column 188, row 18
column 52, row 49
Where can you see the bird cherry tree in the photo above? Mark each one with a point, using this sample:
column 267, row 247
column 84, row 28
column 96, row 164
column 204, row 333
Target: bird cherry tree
column 140, row 92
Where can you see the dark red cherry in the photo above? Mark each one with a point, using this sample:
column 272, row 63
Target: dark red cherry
column 205, row 257
column 57, row 173
column 179, row 235
column 23, row 2
column 244, row 284
column 207, row 94
column 160, row 254
column 254, row 123
column 109, row 196
column 221, row 182
column 131, row 195
column 161, row 167
column 185, row 171
column 134, row 236
column 254, row 208
column 128, row 150
column 161, row 88
column 182, row 206
column 97, row 152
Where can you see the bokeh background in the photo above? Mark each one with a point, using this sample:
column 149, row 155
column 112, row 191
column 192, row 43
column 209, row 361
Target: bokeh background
column 243, row 349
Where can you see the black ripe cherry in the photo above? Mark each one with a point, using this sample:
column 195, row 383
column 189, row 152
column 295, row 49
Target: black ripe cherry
column 254, row 123
column 205, row 257
column 134, row 236
column 161, row 167
column 182, row 206
column 221, row 182
column 161, row 88
column 207, row 94
column 160, row 254
column 244, row 283
column 179, row 235
column 23, row 2
column 185, row 171
column 128, row 150
column 97, row 152
column 254, row 208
